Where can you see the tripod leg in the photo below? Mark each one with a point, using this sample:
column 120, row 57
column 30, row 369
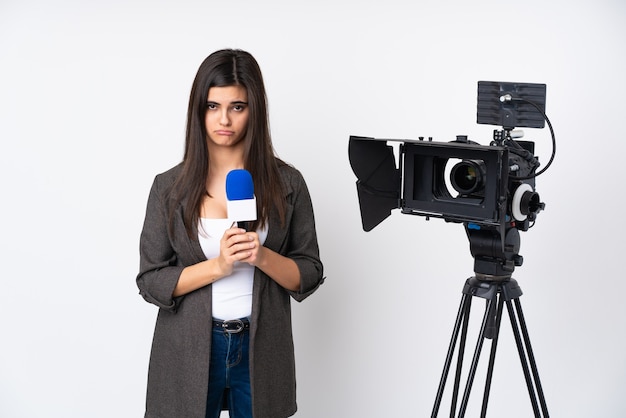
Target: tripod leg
column 492, row 356
column 474, row 365
column 522, row 356
column 461, row 354
column 463, row 312
column 531, row 357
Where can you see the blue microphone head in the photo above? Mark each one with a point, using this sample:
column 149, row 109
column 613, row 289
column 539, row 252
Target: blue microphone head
column 239, row 185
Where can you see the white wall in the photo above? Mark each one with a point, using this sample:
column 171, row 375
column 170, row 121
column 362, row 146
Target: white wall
column 92, row 105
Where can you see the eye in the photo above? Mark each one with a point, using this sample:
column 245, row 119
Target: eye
column 211, row 106
column 239, row 107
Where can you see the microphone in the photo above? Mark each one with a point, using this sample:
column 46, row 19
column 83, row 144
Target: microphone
column 240, row 199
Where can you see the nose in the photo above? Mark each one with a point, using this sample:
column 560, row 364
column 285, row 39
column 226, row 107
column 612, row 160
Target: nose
column 224, row 118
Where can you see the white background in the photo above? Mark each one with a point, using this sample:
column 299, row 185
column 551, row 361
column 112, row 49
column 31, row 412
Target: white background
column 93, row 97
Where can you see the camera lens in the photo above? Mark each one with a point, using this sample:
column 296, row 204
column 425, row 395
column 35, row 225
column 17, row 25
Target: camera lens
column 468, row 176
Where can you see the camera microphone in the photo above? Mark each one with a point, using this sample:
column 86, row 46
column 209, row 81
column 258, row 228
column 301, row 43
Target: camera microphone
column 240, row 199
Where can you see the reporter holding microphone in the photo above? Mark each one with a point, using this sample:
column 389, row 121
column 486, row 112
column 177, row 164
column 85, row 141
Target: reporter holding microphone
column 223, row 330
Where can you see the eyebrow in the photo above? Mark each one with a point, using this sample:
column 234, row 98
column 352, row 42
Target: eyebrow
column 234, row 102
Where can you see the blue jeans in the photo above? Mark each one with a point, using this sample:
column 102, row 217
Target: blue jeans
column 229, row 371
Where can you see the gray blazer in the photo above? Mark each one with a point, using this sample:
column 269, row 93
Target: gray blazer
column 179, row 361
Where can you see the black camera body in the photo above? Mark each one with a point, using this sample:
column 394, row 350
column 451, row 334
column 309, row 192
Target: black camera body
column 466, row 182
column 458, row 181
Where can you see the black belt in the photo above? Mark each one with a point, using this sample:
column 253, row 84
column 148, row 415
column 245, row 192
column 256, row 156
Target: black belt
column 232, row 326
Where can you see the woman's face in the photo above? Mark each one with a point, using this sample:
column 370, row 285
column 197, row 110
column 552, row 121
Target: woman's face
column 226, row 118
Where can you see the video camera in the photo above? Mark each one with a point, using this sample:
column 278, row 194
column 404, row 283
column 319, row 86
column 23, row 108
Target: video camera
column 490, row 189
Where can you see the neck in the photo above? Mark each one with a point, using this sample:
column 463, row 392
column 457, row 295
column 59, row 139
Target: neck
column 222, row 160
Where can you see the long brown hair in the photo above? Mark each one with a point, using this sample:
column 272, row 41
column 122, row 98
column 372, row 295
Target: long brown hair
column 228, row 67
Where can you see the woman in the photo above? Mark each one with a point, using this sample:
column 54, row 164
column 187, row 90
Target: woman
column 223, row 331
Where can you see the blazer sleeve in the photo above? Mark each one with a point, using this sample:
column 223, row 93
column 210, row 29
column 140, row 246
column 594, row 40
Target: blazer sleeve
column 303, row 247
column 159, row 269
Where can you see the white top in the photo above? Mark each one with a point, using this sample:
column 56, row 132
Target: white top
column 232, row 295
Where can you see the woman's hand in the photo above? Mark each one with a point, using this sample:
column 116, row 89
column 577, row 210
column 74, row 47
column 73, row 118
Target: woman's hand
column 240, row 245
column 237, row 244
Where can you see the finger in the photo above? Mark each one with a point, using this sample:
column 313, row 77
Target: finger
column 244, row 247
column 240, row 238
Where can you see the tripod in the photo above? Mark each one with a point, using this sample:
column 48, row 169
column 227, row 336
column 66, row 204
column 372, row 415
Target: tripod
column 497, row 293
column 495, row 257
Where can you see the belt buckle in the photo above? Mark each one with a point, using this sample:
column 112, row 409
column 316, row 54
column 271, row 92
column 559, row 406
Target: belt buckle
column 235, row 322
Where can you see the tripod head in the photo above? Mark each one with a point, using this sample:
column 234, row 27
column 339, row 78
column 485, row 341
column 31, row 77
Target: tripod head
column 495, row 251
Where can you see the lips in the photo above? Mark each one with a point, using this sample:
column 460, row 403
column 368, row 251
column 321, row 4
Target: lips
column 224, row 133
